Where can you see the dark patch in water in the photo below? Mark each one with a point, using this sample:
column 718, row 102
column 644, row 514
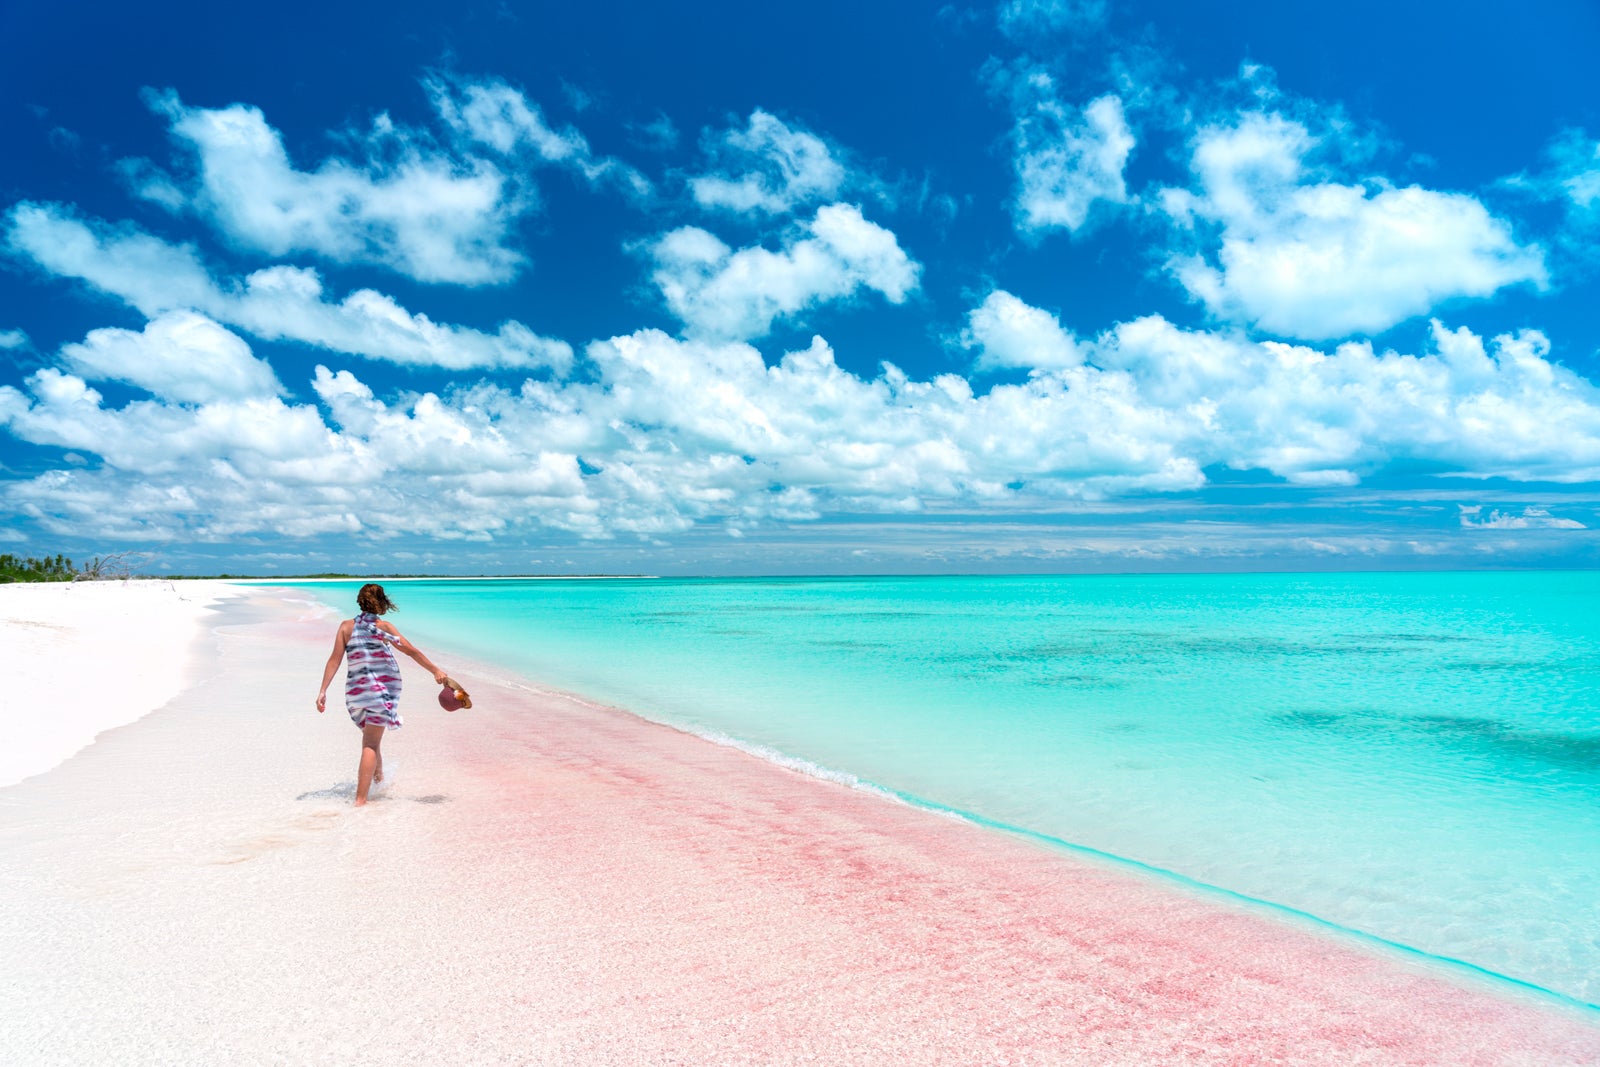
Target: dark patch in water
column 1488, row 737
column 1075, row 681
column 1573, row 751
column 1061, row 650
column 431, row 798
column 767, row 609
column 1488, row 666
column 1135, row 646
column 1457, row 725
column 1308, row 719
column 1411, row 638
column 846, row 643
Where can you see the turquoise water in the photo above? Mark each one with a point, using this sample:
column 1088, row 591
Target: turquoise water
column 1412, row 756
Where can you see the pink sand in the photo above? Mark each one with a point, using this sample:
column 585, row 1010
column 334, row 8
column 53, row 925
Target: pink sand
column 544, row 881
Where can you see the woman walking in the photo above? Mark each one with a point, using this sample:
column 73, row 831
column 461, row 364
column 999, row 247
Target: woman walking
column 372, row 684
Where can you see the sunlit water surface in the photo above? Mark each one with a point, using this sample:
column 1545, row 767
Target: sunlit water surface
column 1412, row 756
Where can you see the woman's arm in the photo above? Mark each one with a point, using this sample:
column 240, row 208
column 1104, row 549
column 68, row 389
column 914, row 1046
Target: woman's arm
column 339, row 639
column 413, row 651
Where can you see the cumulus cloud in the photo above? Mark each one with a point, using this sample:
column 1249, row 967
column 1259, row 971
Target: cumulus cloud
column 144, row 271
column 180, row 356
column 437, row 205
column 259, row 439
column 1069, row 161
column 1006, row 332
column 667, row 433
column 721, row 293
column 402, row 204
column 768, row 167
column 277, row 303
column 493, row 113
column 1532, row 518
column 1284, row 246
column 1323, row 418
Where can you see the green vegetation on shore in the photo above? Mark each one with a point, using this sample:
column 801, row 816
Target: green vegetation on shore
column 58, row 568
column 28, row 569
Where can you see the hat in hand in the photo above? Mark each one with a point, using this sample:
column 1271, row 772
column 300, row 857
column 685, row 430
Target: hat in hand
column 452, row 697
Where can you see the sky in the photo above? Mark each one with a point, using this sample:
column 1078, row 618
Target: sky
column 1028, row 286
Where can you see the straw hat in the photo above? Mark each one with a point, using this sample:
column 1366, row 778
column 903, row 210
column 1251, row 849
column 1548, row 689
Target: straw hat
column 452, row 697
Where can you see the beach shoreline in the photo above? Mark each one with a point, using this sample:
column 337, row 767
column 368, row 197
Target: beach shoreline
column 548, row 880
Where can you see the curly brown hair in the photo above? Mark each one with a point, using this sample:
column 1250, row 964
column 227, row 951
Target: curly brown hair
column 372, row 598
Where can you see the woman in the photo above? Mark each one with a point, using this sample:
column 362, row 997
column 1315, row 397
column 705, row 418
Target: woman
column 372, row 685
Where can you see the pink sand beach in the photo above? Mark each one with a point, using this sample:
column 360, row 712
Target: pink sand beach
column 545, row 881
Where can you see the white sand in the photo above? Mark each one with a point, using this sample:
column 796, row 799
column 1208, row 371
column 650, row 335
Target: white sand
column 84, row 657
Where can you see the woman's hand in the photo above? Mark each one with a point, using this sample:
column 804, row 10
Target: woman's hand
column 440, row 677
column 322, row 701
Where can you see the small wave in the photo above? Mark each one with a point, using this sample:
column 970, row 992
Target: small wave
column 792, row 763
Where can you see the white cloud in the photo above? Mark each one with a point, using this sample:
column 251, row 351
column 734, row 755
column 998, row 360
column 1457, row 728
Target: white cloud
column 258, row 438
column 13, row 339
column 1532, row 518
column 179, row 356
column 1068, row 161
column 278, row 303
column 1572, row 176
column 1321, row 418
column 1284, row 247
column 147, row 181
column 287, row 303
column 721, row 293
column 666, row 434
column 577, row 96
column 1009, row 333
column 1570, row 180
column 493, row 113
column 1026, row 20
column 145, row 271
column 1578, row 160
column 676, row 432
column 429, row 215
column 658, row 135
column 768, row 167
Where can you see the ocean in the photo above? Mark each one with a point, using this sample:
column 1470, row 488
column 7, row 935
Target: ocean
column 1411, row 757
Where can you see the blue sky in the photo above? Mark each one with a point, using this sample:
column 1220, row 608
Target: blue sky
column 1031, row 286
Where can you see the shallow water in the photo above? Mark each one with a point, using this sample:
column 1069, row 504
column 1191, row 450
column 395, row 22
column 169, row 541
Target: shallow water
column 1413, row 756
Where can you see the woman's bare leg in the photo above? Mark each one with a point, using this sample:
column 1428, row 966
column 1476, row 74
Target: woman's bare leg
column 371, row 738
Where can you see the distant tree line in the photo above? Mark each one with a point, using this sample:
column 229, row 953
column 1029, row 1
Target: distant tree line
column 27, row 569
column 59, row 568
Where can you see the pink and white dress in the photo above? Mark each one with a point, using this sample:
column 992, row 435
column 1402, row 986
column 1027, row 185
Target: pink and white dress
column 372, row 680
